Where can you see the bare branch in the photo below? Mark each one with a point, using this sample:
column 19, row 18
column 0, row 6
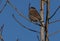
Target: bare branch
column 55, row 12
column 2, row 26
column 3, row 7
column 23, row 25
column 1, row 29
column 14, row 7
column 42, row 36
column 58, row 31
column 54, row 21
column 29, row 6
column 17, row 10
column 38, row 38
column 47, row 20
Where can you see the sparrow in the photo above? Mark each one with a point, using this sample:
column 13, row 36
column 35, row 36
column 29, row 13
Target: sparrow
column 34, row 15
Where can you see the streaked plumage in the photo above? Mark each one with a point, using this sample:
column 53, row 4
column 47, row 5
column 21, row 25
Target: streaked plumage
column 34, row 15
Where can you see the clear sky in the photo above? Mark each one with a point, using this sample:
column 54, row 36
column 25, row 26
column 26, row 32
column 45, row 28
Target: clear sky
column 12, row 30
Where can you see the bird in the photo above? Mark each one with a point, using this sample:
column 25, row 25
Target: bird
column 34, row 15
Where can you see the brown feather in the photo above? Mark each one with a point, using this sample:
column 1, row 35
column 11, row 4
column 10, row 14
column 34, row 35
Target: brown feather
column 34, row 15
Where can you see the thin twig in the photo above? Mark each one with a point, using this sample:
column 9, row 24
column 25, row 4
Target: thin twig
column 2, row 26
column 54, row 21
column 1, row 38
column 14, row 7
column 38, row 38
column 58, row 31
column 55, row 12
column 3, row 7
column 23, row 25
column 1, row 29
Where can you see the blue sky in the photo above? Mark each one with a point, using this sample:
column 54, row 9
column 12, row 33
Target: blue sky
column 12, row 30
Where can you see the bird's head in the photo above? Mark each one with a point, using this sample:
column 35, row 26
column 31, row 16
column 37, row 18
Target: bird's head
column 32, row 8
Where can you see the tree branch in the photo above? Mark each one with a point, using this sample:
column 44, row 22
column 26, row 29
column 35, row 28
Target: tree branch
column 3, row 7
column 54, row 21
column 38, row 38
column 1, row 29
column 55, row 12
column 17, row 10
column 23, row 25
column 1, row 33
column 47, row 20
column 42, row 29
column 54, row 33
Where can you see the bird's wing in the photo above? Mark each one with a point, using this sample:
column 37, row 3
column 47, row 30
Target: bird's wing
column 37, row 15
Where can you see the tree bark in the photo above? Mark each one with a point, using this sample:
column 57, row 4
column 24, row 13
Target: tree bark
column 47, row 19
column 42, row 36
